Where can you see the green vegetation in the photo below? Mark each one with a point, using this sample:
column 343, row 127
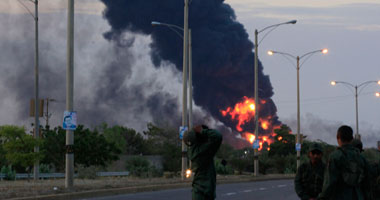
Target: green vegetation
column 96, row 149
column 140, row 167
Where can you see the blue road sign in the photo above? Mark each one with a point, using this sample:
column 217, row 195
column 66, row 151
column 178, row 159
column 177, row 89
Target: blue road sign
column 298, row 147
column 182, row 130
column 256, row 144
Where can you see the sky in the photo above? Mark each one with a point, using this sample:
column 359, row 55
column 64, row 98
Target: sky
column 349, row 29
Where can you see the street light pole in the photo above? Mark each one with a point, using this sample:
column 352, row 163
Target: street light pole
column 298, row 112
column 256, row 151
column 298, row 66
column 357, row 136
column 356, row 93
column 256, row 88
column 36, row 92
column 69, row 175
column 190, row 86
column 184, row 84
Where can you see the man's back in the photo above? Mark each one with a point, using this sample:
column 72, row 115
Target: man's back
column 202, row 155
column 346, row 175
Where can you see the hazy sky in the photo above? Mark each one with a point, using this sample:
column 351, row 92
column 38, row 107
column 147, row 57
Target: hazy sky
column 350, row 29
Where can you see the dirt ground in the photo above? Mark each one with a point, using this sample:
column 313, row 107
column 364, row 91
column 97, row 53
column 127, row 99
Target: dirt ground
column 24, row 188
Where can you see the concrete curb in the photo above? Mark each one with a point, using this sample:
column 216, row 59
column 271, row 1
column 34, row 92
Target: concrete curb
column 126, row 190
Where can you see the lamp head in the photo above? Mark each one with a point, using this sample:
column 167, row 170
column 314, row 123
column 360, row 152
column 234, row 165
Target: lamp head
column 270, row 52
column 155, row 23
column 324, row 51
column 377, row 94
column 292, row 22
column 333, row 82
column 378, row 82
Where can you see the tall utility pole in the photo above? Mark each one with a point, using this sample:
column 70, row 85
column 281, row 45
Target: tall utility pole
column 298, row 114
column 184, row 84
column 190, row 86
column 69, row 181
column 36, row 102
column 47, row 110
column 356, row 95
column 298, row 66
column 256, row 88
column 256, row 151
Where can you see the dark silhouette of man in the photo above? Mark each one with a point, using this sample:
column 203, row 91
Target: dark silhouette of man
column 203, row 144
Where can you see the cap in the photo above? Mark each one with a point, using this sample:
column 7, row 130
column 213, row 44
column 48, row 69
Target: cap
column 315, row 146
column 357, row 144
column 189, row 137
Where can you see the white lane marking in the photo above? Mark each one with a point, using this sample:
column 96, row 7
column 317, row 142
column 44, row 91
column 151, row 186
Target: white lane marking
column 279, row 186
column 230, row 193
column 262, row 188
column 247, row 190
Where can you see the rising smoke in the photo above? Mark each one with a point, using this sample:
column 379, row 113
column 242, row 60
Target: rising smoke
column 222, row 53
column 127, row 72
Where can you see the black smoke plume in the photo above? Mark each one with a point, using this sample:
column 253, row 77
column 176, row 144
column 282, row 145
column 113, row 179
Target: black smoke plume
column 223, row 58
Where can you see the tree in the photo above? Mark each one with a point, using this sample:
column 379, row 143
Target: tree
column 127, row 140
column 284, row 143
column 165, row 142
column 90, row 148
column 19, row 147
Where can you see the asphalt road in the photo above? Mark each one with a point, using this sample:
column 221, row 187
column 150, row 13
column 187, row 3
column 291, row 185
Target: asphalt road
column 262, row 190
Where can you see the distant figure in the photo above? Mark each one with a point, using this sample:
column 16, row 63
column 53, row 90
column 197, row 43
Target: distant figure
column 346, row 176
column 309, row 178
column 357, row 144
column 203, row 144
column 373, row 170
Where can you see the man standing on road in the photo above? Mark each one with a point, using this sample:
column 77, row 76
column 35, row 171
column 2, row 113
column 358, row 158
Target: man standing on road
column 346, row 176
column 309, row 178
column 203, row 144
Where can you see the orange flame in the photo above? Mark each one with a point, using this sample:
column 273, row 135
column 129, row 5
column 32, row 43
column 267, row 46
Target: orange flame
column 264, row 125
column 279, row 138
column 250, row 137
column 243, row 112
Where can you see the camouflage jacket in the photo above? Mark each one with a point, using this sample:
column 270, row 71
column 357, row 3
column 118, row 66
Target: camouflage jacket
column 309, row 180
column 346, row 176
column 202, row 155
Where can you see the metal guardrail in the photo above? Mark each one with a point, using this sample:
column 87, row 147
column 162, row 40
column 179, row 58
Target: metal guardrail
column 62, row 175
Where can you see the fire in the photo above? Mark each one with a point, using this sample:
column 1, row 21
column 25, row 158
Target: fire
column 264, row 125
column 279, row 138
column 242, row 112
column 250, row 137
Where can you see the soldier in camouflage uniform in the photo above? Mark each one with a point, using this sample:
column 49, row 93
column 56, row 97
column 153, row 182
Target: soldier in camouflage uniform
column 346, row 176
column 373, row 171
column 203, row 144
column 309, row 178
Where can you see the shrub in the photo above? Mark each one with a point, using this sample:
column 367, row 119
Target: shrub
column 9, row 174
column 222, row 169
column 87, row 172
column 140, row 167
